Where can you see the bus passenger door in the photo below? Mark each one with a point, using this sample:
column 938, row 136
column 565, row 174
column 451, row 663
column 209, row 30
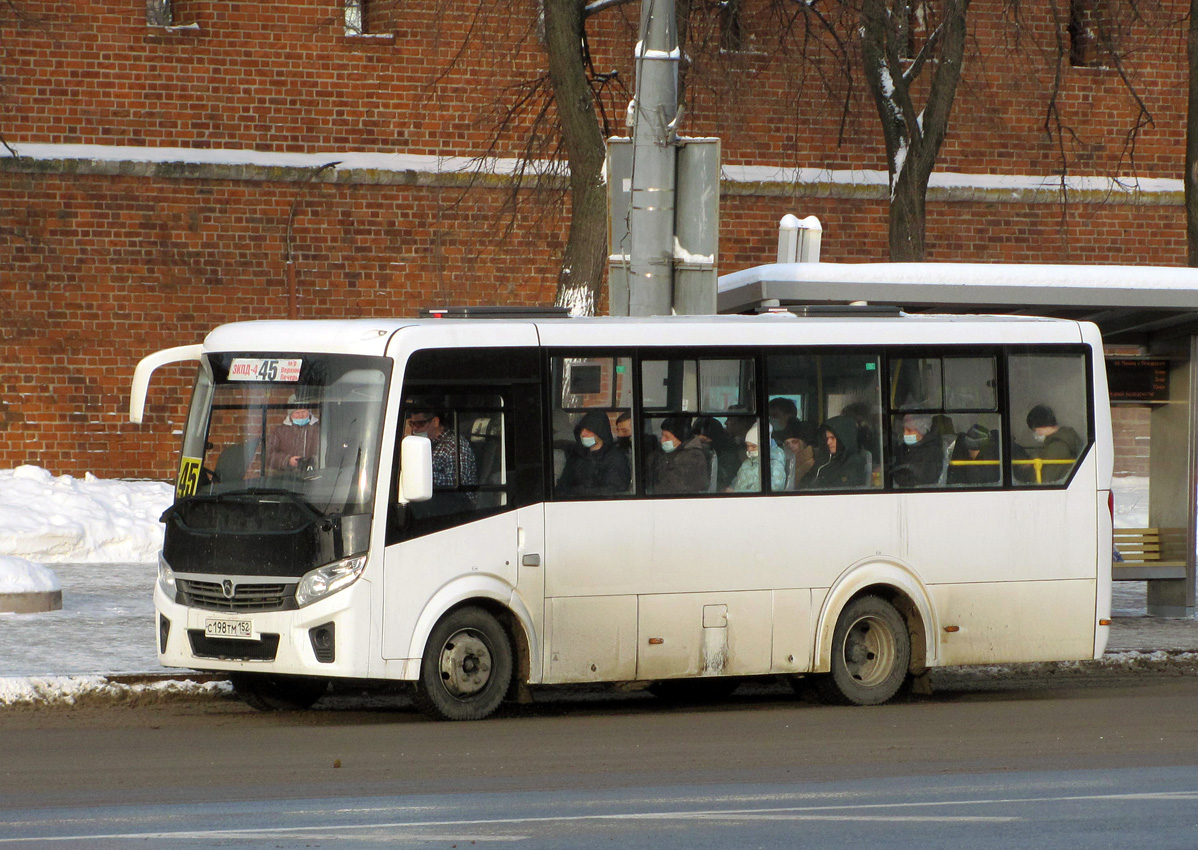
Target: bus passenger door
column 481, row 535
column 530, row 579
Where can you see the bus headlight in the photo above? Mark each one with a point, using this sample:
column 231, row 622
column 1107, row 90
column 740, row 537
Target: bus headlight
column 166, row 578
column 329, row 579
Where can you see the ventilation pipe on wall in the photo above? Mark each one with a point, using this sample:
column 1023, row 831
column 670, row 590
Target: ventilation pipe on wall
column 798, row 241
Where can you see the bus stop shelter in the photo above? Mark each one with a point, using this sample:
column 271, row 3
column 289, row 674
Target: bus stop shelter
column 1154, row 309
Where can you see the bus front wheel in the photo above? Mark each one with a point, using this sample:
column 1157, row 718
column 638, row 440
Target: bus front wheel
column 266, row 692
column 871, row 651
column 467, row 667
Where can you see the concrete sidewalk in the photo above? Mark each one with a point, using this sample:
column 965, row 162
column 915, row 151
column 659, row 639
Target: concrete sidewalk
column 1133, row 629
column 1149, row 634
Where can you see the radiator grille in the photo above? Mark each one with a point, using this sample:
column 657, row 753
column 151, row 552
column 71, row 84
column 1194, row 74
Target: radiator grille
column 245, row 597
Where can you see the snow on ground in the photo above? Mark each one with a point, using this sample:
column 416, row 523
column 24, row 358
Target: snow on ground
column 68, row 520
column 97, row 540
column 102, row 538
column 20, row 576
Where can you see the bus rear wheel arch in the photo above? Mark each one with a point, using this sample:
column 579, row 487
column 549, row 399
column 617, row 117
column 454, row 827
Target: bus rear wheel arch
column 467, row 666
column 871, row 654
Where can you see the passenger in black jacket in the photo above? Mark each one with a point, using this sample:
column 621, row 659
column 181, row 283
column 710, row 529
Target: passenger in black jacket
column 844, row 466
column 595, row 466
column 919, row 457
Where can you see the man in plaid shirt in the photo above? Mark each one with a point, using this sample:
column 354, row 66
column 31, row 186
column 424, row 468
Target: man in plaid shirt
column 451, row 451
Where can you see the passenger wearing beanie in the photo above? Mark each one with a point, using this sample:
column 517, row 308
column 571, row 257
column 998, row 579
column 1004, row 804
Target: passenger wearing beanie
column 1060, row 443
column 748, row 477
column 681, row 466
column 798, row 439
column 595, row 466
column 919, row 457
column 979, row 443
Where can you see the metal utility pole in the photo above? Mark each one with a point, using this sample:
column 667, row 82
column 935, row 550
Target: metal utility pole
column 664, row 191
column 654, row 156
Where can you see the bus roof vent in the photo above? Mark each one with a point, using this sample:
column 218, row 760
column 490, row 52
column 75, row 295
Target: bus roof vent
column 493, row 312
column 826, row 311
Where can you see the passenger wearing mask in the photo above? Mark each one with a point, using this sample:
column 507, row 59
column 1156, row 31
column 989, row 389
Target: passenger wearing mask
column 845, row 466
column 1058, row 443
column 919, row 458
column 595, row 465
column 975, row 459
column 748, row 477
column 681, row 465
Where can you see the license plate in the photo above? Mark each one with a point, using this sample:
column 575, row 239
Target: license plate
column 237, row 629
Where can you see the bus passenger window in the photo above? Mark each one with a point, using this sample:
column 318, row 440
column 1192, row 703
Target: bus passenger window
column 945, row 423
column 697, row 412
column 593, row 435
column 1049, row 417
column 825, row 420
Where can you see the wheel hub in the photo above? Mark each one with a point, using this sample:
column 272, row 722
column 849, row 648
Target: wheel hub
column 869, row 651
column 465, row 664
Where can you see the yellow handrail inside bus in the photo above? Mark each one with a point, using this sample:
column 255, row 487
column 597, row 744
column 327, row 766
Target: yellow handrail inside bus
column 1038, row 463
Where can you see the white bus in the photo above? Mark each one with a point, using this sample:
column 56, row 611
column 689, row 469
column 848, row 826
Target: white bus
column 478, row 506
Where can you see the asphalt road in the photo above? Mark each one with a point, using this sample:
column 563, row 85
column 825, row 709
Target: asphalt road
column 1010, row 762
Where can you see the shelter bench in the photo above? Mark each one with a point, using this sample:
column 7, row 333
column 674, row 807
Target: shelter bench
column 1140, row 549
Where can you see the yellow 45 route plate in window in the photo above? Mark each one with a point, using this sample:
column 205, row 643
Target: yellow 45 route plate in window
column 189, row 477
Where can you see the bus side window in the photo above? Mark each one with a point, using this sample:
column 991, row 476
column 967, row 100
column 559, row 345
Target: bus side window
column 470, row 465
column 695, row 425
column 825, row 422
column 593, row 442
column 944, row 423
column 1049, row 417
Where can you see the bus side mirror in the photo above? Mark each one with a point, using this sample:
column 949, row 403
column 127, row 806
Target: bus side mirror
column 415, row 469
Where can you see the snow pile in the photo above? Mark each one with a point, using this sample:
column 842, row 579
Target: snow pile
column 20, row 576
column 67, row 520
column 80, row 690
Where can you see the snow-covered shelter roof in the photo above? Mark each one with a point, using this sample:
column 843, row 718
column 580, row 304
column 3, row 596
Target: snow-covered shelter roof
column 1129, row 303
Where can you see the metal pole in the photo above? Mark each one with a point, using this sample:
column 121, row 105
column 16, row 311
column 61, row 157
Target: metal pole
column 651, row 257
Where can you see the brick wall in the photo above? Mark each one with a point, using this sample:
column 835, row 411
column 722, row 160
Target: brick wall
column 1130, row 425
column 99, row 266
column 110, row 269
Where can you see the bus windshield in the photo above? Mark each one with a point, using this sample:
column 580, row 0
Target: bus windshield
column 298, row 431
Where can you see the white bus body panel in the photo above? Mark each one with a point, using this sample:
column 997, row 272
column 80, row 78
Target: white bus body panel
column 731, row 586
column 345, row 609
column 484, row 559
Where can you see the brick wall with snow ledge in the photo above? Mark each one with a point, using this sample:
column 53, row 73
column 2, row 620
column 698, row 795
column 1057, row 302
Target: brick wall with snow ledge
column 205, row 139
column 27, row 588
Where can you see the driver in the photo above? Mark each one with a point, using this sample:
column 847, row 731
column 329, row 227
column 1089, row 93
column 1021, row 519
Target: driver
column 294, row 442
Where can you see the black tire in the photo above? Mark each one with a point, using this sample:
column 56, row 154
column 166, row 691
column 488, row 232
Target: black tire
column 871, row 653
column 701, row 690
column 467, row 667
column 267, row 692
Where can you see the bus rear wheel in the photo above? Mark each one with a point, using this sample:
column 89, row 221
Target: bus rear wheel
column 871, row 651
column 467, row 667
column 267, row 692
